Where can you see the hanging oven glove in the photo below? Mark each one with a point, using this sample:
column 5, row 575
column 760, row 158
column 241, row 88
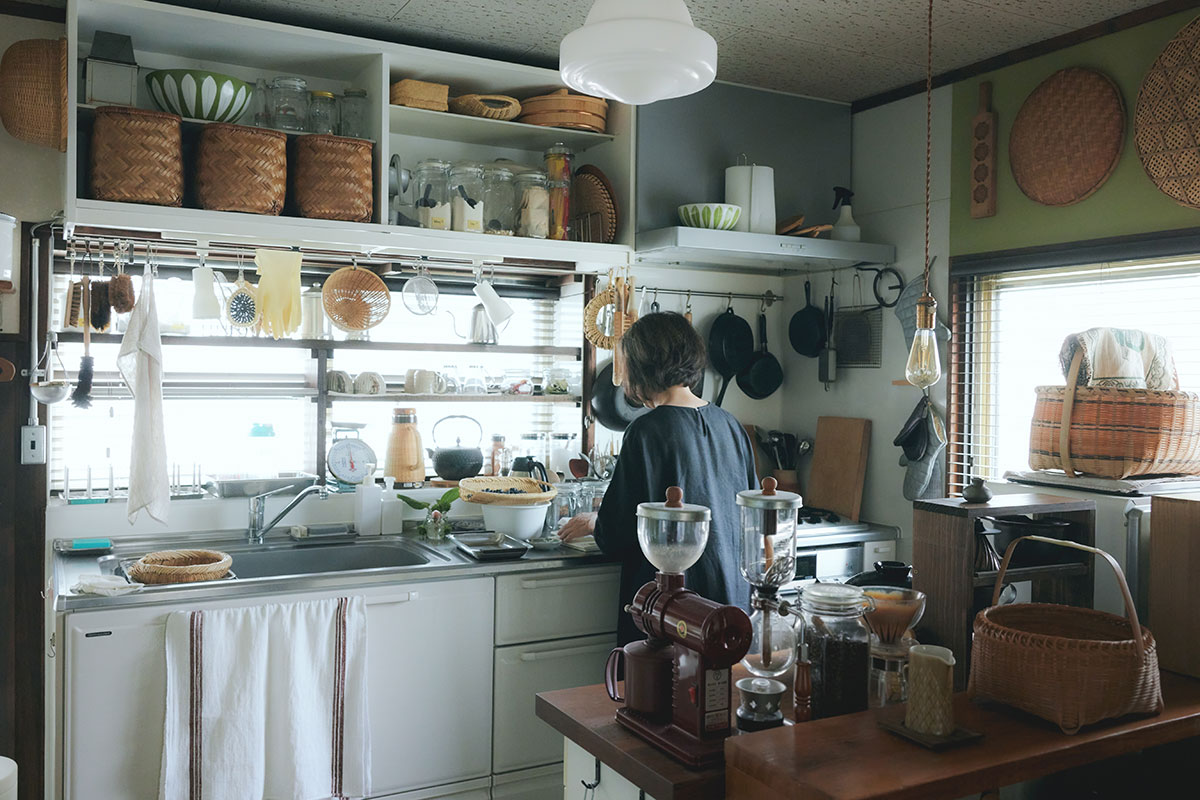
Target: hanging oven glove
column 914, row 436
column 925, row 477
column 278, row 291
column 906, row 312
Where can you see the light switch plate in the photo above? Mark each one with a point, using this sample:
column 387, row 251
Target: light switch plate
column 33, row 444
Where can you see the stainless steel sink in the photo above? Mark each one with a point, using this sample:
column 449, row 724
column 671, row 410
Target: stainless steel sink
column 310, row 559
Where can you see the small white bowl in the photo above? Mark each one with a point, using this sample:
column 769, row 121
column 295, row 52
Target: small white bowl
column 714, row 216
column 519, row 522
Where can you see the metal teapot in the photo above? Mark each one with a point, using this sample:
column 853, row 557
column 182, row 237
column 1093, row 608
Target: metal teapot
column 458, row 462
column 481, row 330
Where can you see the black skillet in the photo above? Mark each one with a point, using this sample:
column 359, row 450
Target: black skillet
column 611, row 407
column 730, row 347
column 806, row 331
column 762, row 375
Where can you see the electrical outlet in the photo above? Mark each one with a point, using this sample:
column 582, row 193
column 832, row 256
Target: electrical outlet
column 33, row 444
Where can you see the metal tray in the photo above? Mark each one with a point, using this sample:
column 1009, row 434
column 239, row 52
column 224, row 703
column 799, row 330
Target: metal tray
column 479, row 546
column 225, row 486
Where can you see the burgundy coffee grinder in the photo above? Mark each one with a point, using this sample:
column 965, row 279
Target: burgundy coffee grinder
column 677, row 688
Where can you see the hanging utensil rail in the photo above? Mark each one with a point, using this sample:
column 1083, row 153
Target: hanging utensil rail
column 768, row 297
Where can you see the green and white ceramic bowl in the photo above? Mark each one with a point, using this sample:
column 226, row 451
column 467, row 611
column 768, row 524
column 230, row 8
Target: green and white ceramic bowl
column 199, row 94
column 715, row 216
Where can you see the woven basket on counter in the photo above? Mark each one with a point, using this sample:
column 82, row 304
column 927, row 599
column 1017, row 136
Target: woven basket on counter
column 181, row 566
column 1071, row 666
column 333, row 178
column 137, row 156
column 239, row 168
column 492, row 491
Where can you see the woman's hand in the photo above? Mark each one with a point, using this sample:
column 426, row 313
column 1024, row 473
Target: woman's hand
column 578, row 526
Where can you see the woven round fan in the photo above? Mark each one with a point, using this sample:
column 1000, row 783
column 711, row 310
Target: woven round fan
column 1166, row 125
column 1067, row 137
column 355, row 299
column 594, row 214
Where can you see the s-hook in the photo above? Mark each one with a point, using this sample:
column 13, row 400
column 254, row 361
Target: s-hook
column 589, row 789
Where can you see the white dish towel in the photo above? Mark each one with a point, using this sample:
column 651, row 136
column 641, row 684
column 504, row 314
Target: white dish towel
column 267, row 702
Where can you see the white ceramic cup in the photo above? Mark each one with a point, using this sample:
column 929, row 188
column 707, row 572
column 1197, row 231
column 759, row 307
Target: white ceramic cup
column 423, row 381
column 498, row 310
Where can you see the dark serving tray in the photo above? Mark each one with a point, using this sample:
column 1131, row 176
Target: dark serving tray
column 480, row 546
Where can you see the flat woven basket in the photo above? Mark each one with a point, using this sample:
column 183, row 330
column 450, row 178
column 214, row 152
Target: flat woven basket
column 491, row 106
column 239, row 168
column 593, row 206
column 1166, row 124
column 1068, row 136
column 334, row 178
column 420, row 94
column 33, row 92
column 137, row 156
column 355, row 299
column 491, row 491
column 1071, row 666
column 181, row 566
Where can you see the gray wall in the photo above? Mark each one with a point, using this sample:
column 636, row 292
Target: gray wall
column 684, row 145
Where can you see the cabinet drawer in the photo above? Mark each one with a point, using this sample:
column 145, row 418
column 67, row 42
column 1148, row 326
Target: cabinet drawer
column 521, row 739
column 554, row 605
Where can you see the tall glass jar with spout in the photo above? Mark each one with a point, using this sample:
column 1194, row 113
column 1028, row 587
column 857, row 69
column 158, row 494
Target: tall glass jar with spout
column 768, row 561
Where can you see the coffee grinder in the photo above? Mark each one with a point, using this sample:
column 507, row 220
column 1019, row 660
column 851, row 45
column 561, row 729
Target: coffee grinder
column 677, row 684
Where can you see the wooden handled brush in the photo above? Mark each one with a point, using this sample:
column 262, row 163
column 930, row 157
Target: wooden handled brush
column 82, row 396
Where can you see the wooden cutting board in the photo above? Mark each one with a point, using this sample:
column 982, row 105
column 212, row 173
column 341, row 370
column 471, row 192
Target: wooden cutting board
column 839, row 465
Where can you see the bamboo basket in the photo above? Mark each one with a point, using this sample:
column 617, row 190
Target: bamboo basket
column 1071, row 666
column 181, row 566
column 421, row 94
column 486, row 491
column 491, row 106
column 333, row 178
column 355, row 299
column 239, row 168
column 33, row 92
column 137, row 156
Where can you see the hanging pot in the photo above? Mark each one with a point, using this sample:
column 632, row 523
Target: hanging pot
column 762, row 375
column 458, row 462
column 611, row 407
column 730, row 347
column 806, row 331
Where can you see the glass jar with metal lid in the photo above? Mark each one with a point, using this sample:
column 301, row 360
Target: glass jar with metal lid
column 499, row 216
column 353, row 121
column 768, row 535
column 432, row 177
column 673, row 533
column 289, row 103
column 322, row 113
column 533, row 204
column 466, row 197
column 838, row 643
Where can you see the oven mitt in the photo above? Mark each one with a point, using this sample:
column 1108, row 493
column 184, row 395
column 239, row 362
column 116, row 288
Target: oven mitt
column 914, row 436
column 906, row 312
column 925, row 477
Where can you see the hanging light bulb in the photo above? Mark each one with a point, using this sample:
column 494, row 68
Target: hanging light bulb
column 637, row 52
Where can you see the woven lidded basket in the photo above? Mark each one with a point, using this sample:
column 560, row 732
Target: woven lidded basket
column 1071, row 666
column 137, row 156
column 239, row 168
column 181, row 566
column 333, row 178
column 496, row 491
column 33, row 92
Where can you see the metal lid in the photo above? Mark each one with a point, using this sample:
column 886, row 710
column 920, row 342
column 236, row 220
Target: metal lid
column 768, row 498
column 322, row 93
column 674, row 509
column 355, row 93
column 833, row 596
column 404, row 415
column 433, row 163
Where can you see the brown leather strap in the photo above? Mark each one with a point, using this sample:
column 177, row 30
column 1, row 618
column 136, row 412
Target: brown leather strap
column 1064, row 425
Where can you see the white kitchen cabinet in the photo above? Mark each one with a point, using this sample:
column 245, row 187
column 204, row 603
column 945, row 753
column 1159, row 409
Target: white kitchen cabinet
column 580, row 766
column 556, row 605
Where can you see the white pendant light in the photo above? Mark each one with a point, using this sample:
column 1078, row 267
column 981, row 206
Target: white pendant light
column 637, row 52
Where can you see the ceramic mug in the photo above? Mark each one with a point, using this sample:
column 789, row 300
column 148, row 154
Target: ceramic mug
column 424, row 381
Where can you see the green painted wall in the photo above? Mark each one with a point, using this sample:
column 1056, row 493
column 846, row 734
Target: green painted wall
column 1127, row 203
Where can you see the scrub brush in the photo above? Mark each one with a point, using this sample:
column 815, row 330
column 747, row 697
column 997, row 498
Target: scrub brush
column 74, row 305
column 82, row 396
column 120, row 293
column 100, row 311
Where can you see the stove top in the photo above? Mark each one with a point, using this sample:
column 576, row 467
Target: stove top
column 812, row 521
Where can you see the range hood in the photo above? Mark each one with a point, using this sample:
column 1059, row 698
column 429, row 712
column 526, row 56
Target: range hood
column 734, row 251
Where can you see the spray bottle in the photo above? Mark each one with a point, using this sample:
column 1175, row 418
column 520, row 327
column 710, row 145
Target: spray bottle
column 845, row 229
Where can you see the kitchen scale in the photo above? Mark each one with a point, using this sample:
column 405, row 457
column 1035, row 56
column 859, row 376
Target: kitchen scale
column 350, row 460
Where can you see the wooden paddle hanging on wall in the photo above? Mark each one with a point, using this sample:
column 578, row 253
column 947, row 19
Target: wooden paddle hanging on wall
column 983, row 156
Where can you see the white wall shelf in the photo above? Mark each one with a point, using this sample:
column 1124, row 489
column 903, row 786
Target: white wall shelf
column 761, row 253
column 491, row 132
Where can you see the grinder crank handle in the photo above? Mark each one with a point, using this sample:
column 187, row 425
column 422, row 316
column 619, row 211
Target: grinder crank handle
column 610, row 674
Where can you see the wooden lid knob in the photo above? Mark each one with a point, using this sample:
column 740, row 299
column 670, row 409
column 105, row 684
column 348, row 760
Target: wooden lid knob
column 769, row 485
column 674, row 497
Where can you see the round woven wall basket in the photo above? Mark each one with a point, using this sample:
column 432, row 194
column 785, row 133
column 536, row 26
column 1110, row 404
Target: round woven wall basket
column 1068, row 136
column 1167, row 120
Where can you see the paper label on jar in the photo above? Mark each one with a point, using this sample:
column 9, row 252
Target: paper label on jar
column 474, row 225
column 439, row 223
column 716, row 690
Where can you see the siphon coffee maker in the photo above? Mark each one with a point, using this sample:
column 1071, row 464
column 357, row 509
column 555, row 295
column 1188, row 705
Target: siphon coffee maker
column 677, row 681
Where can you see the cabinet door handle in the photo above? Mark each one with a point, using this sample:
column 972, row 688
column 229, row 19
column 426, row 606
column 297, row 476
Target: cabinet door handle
column 545, row 583
column 407, row 597
column 566, row 652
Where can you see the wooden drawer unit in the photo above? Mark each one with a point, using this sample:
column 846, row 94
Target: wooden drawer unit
column 556, row 605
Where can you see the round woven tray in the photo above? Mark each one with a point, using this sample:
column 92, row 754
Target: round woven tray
column 181, row 566
column 1167, row 121
column 355, row 299
column 476, row 490
column 491, row 106
column 593, row 206
column 1067, row 138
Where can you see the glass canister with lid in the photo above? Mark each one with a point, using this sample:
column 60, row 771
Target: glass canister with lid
column 433, row 194
column 533, row 204
column 672, row 534
column 289, row 103
column 838, row 644
column 353, row 120
column 322, row 113
column 466, row 197
column 499, row 216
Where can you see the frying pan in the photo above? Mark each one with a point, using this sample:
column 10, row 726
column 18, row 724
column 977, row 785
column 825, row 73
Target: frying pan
column 762, row 375
column 610, row 405
column 730, row 347
column 806, row 331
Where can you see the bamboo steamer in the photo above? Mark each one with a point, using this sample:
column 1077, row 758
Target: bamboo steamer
column 562, row 100
column 580, row 120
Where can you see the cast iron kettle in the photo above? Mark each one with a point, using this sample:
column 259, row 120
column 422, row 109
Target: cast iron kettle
column 458, row 462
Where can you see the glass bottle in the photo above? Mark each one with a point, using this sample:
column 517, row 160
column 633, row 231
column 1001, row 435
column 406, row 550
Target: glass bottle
column 495, row 458
column 353, row 122
column 260, row 105
column 558, row 174
column 838, row 643
column 322, row 113
column 433, row 194
column 466, row 197
column 289, row 103
column 558, row 162
column 498, row 212
column 533, row 204
column 768, row 563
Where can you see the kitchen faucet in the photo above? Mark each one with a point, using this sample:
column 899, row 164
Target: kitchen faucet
column 258, row 507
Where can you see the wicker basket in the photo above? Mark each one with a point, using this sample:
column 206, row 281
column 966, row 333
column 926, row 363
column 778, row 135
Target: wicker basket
column 333, row 178
column 355, row 299
column 137, row 156
column 1071, row 666
column 33, row 92
column 239, row 168
column 181, row 566
column 487, row 491
column 421, row 94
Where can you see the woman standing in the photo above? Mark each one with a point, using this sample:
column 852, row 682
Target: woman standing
column 684, row 441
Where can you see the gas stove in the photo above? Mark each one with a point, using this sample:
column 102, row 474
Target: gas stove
column 831, row 548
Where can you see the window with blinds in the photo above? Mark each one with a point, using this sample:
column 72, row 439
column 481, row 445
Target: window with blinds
column 1008, row 330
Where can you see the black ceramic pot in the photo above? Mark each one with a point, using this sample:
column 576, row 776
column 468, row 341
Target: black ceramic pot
column 885, row 573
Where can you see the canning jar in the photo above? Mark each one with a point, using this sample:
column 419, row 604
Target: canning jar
column 354, row 114
column 560, row 209
column 838, row 643
column 498, row 213
column 466, row 197
column 322, row 113
column 433, row 194
column 533, row 204
column 558, row 162
column 289, row 103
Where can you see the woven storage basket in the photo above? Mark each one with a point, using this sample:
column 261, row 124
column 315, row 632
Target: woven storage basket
column 333, row 178
column 1168, row 116
column 1114, row 433
column 476, row 490
column 239, row 168
column 181, row 566
column 33, row 92
column 137, row 156
column 421, row 94
column 1071, row 666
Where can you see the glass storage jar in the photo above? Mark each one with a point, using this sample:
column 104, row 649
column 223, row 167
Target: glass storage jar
column 260, row 105
column 563, row 448
column 322, row 113
column 558, row 162
column 533, row 204
column 559, row 379
column 498, row 212
column 838, row 643
column 560, row 210
column 433, row 194
column 353, row 120
column 289, row 103
column 466, row 197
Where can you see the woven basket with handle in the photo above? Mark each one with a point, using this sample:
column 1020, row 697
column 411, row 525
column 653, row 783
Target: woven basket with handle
column 334, row 178
column 137, row 156
column 239, row 168
column 490, row 491
column 1071, row 666
column 181, row 566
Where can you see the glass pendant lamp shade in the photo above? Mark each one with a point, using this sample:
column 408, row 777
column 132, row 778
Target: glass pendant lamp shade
column 637, row 52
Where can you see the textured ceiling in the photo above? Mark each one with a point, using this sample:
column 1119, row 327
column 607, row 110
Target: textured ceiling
column 835, row 49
